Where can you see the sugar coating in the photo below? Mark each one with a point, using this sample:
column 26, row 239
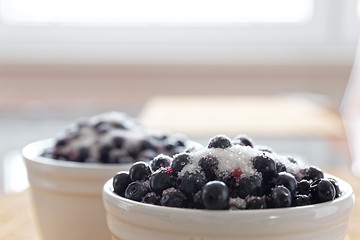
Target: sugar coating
column 237, row 157
column 96, row 135
column 237, row 203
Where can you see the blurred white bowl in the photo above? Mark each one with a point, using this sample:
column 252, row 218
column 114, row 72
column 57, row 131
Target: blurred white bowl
column 67, row 195
column 129, row 220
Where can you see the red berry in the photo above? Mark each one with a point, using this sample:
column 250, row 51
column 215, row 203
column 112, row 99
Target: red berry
column 236, row 173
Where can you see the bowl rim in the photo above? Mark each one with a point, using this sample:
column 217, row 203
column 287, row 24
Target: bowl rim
column 110, row 196
column 31, row 152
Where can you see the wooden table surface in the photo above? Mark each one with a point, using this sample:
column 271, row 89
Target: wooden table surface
column 17, row 220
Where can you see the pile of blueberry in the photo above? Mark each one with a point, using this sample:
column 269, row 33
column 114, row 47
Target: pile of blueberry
column 113, row 137
column 227, row 174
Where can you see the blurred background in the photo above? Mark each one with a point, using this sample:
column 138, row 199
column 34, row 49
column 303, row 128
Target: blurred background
column 281, row 67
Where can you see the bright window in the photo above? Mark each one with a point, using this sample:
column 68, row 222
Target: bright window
column 163, row 12
column 178, row 31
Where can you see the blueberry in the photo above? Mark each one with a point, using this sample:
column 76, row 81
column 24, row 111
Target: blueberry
column 255, row 202
column 179, row 162
column 265, row 165
column 287, row 180
column 61, row 142
column 301, row 200
column 336, row 186
column 84, row 153
column 104, row 153
column 220, row 141
column 102, row 127
column 243, row 140
column 170, row 144
column 146, row 144
column 120, row 125
column 161, row 180
column 280, row 197
column 151, row 198
column 322, row 190
column 215, row 195
column 197, row 201
column 160, row 161
column 249, row 186
column 291, row 159
column 133, row 152
column 313, row 173
column 98, row 124
column 139, row 171
column 280, row 167
column 120, row 182
column 209, row 165
column 118, row 141
column 136, row 191
column 267, row 185
column 173, row 197
column 303, row 187
column 232, row 184
column 180, row 143
column 191, row 182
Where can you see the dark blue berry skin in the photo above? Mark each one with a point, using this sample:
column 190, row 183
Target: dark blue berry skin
column 220, row 141
column 197, row 201
column 146, row 144
column 280, row 197
column 173, row 197
column 209, row 165
column 232, row 184
column 160, row 161
column 105, row 154
column 119, row 125
column 313, row 173
column 287, row 180
column 267, row 185
column 103, row 128
column 118, row 142
column 151, row 198
column 243, row 140
column 215, row 195
column 265, row 165
column 180, row 143
column 191, row 183
column 171, row 143
column 291, row 159
column 136, row 191
column 280, row 167
column 322, row 190
column 249, row 186
column 255, row 203
column 120, row 182
column 161, row 180
column 301, row 200
column 139, row 171
column 336, row 186
column 61, row 142
column 303, row 187
column 84, row 153
column 179, row 162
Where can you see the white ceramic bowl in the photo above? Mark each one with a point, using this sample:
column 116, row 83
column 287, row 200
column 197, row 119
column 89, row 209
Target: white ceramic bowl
column 130, row 220
column 67, row 195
